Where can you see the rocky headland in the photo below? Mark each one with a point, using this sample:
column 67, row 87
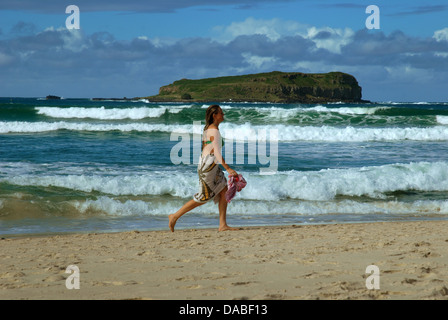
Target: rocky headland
column 276, row 87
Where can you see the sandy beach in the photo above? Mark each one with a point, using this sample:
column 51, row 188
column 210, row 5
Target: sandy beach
column 287, row 262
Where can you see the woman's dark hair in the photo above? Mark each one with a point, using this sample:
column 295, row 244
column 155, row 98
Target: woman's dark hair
column 213, row 109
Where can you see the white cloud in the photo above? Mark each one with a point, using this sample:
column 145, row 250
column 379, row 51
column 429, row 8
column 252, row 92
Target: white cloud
column 441, row 54
column 441, row 35
column 274, row 29
column 257, row 61
column 163, row 42
column 54, row 57
column 330, row 39
column 73, row 39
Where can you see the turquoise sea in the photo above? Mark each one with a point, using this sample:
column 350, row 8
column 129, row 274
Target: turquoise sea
column 78, row 165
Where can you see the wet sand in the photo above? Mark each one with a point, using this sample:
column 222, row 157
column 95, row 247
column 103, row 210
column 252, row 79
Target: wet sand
column 288, row 262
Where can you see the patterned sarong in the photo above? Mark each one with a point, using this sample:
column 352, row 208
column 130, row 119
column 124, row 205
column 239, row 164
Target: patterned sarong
column 211, row 180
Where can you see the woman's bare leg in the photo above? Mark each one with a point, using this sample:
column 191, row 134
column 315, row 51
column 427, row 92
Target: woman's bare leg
column 188, row 206
column 223, row 212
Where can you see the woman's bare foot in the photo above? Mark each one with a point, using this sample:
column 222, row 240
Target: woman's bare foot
column 172, row 222
column 227, row 228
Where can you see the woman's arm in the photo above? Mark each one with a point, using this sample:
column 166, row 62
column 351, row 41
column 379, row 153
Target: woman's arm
column 216, row 145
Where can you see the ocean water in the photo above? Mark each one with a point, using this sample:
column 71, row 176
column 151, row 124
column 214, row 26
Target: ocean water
column 78, row 165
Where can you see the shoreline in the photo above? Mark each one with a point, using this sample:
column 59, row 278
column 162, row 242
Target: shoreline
column 186, row 228
column 295, row 262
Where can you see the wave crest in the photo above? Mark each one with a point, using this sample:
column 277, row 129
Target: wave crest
column 324, row 185
column 285, row 132
column 102, row 113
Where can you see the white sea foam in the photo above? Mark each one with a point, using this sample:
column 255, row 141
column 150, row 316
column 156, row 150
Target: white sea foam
column 151, row 184
column 342, row 134
column 325, row 185
column 229, row 131
column 115, row 207
column 103, row 113
column 348, row 110
column 442, row 119
column 278, row 113
column 414, row 103
column 286, row 113
column 374, row 182
column 32, row 127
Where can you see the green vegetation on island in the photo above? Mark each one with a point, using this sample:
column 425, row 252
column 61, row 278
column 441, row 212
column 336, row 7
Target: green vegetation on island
column 277, row 87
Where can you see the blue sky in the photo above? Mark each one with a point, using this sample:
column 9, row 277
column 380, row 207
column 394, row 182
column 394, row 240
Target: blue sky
column 131, row 48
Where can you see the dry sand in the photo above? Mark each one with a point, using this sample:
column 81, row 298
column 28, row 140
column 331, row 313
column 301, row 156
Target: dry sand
column 290, row 262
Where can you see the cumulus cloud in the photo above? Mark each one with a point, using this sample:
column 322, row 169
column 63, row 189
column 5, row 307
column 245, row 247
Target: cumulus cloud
column 331, row 39
column 441, row 35
column 272, row 28
column 257, row 62
column 100, row 65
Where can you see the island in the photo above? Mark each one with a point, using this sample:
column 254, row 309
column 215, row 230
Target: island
column 275, row 87
column 51, row 97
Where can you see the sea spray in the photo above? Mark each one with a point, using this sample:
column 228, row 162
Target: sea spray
column 285, row 132
column 323, row 185
column 76, row 165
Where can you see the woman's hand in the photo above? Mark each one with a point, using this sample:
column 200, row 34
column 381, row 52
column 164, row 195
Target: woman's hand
column 232, row 172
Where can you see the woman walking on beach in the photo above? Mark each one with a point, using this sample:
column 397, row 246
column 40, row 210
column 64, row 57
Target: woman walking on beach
column 212, row 182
